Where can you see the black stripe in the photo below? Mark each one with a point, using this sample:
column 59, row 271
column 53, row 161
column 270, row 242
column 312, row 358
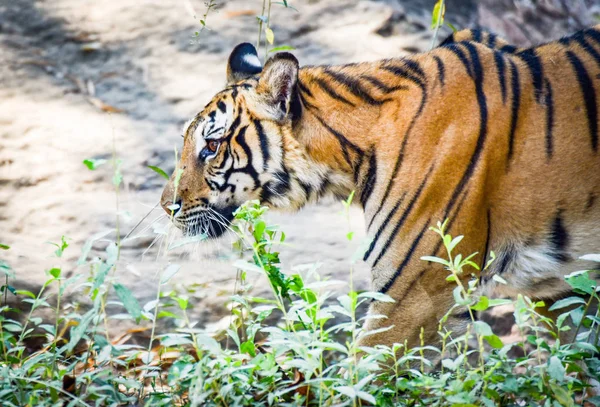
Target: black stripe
column 357, row 168
column 487, row 239
column 438, row 245
column 370, row 180
column 344, row 142
column 483, row 119
column 249, row 168
column 381, row 86
column 516, row 101
column 492, row 40
column 306, row 103
column 403, row 73
column 276, row 187
column 332, row 93
column 307, row 188
column 590, row 201
column 579, row 37
column 593, row 34
column 464, row 315
column 233, row 127
column 304, row 89
column 441, row 69
column 476, row 35
column 402, row 219
column 506, row 257
column 589, row 96
column 559, row 239
column 456, row 49
column 389, row 217
column 407, row 258
column 414, row 67
column 500, row 66
column 398, row 164
column 264, row 143
column 354, row 87
column 533, row 62
column 549, row 119
column 221, row 106
column 509, row 49
column 449, row 40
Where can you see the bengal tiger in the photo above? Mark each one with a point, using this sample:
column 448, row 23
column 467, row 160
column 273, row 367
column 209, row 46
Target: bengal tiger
column 501, row 141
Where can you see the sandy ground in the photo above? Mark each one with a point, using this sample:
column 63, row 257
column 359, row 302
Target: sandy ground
column 85, row 79
column 66, row 64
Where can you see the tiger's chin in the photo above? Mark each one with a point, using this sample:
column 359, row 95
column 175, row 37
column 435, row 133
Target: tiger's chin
column 212, row 224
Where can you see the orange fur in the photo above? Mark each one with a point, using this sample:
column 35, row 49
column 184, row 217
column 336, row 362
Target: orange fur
column 499, row 140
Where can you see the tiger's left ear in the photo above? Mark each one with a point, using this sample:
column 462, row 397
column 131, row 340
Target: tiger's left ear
column 243, row 63
column 277, row 84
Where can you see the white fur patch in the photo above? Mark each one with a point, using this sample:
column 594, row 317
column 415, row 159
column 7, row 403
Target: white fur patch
column 252, row 60
column 527, row 271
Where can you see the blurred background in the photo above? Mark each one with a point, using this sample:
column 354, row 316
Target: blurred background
column 86, row 79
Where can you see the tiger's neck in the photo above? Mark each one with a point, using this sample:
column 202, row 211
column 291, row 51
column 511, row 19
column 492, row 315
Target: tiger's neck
column 346, row 114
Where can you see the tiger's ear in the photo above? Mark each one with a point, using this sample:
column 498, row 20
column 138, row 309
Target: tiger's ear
column 243, row 63
column 277, row 84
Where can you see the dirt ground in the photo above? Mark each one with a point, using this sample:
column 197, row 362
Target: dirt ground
column 82, row 79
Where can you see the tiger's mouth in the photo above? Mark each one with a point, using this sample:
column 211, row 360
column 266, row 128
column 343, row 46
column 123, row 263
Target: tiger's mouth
column 213, row 222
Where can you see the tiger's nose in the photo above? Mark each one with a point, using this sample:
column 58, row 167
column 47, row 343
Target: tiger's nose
column 172, row 207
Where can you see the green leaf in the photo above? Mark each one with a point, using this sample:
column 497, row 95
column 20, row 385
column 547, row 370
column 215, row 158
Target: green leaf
column 494, row 302
column 270, row 35
column 499, row 279
column 159, row 171
column 60, row 246
column 482, row 304
column 494, row 341
column 169, row 272
column 435, row 260
column 4, row 246
column 78, row 331
column 437, row 16
column 565, row 302
column 54, row 272
column 581, row 281
column 556, row 370
column 129, row 302
column 482, row 328
column 92, row 163
column 562, row 395
column 259, row 229
column 249, row 348
column 454, row 242
column 282, row 48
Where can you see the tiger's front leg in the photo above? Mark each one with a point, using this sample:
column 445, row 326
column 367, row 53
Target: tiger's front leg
column 419, row 306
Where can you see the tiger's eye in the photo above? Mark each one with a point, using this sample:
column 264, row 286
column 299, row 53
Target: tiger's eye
column 213, row 145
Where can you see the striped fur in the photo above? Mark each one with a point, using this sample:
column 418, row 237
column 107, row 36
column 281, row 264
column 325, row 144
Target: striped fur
column 501, row 141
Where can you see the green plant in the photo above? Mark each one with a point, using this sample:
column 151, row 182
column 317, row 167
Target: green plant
column 301, row 346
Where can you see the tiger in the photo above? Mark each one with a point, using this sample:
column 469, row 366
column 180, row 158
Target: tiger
column 500, row 141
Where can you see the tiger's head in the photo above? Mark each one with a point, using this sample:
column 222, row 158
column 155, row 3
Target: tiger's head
column 239, row 146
